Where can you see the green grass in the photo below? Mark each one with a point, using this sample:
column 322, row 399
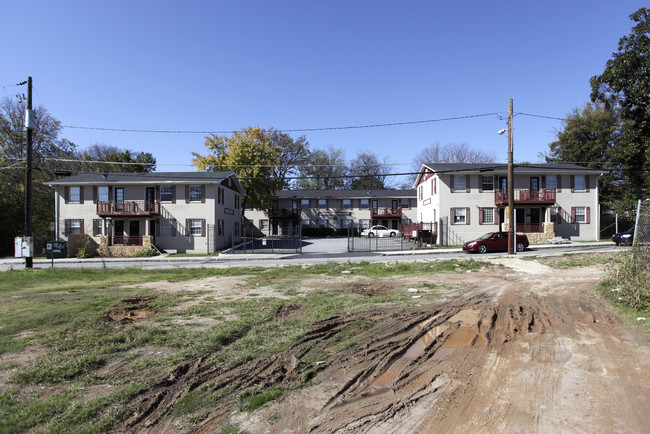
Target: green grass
column 61, row 315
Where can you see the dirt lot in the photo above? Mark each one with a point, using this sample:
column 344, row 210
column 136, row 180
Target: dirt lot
column 517, row 345
column 512, row 348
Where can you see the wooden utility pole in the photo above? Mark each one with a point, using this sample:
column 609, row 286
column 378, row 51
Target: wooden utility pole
column 29, row 125
column 511, row 189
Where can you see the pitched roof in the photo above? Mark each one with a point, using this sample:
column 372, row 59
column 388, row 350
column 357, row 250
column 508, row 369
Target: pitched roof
column 501, row 167
column 345, row 194
column 143, row 178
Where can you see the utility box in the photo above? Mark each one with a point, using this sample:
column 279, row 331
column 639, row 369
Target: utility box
column 56, row 249
column 23, row 247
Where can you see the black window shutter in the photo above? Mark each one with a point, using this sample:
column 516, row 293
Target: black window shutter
column 452, row 216
column 173, row 194
column 187, row 194
column 82, row 228
column 66, row 193
column 203, row 194
column 451, row 183
column 586, row 182
column 588, row 215
column 467, row 216
column 67, row 226
column 94, row 194
column 81, row 194
column 467, row 184
column 187, row 227
column 202, row 227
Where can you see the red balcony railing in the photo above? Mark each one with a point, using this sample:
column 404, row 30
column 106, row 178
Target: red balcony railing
column 128, row 208
column 386, row 213
column 527, row 196
column 284, row 214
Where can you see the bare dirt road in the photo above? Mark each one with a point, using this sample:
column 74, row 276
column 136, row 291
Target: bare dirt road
column 524, row 347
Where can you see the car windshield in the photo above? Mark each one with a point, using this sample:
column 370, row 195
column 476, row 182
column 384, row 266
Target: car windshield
column 486, row 236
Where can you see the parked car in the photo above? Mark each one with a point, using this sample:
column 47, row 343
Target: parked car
column 626, row 237
column 380, row 231
column 494, row 242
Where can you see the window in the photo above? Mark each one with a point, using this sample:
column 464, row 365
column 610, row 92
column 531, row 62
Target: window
column 580, row 215
column 364, row 204
column 97, row 227
column 347, row 204
column 322, row 203
column 487, row 183
column 166, row 193
column 406, row 204
column 220, row 195
column 579, row 183
column 304, row 204
column 551, row 182
column 322, row 223
column 459, row 183
column 305, row 223
column 165, row 227
column 264, row 225
column 74, row 195
column 487, row 216
column 195, row 193
column 345, row 223
column 459, row 216
column 74, row 225
column 364, row 223
column 195, row 227
column 554, row 214
column 236, row 201
column 102, row 193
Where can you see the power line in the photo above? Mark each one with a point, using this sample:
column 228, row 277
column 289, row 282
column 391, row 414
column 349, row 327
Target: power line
column 294, row 130
column 540, row 116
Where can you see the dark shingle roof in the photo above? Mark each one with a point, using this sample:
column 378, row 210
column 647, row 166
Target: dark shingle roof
column 143, row 178
column 503, row 168
column 345, row 194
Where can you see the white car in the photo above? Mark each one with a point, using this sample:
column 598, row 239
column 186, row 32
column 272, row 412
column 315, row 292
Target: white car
column 380, row 231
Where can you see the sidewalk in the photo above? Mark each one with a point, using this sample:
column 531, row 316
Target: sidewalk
column 224, row 257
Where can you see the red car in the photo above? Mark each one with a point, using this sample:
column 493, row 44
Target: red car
column 494, row 242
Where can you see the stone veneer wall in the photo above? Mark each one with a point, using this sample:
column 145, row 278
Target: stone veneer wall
column 538, row 237
column 122, row 251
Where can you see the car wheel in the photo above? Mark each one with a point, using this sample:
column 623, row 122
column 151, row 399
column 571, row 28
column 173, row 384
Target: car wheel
column 520, row 247
column 482, row 248
column 370, row 235
column 616, row 243
column 392, row 234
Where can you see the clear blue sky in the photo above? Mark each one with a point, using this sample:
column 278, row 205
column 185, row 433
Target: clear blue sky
column 222, row 66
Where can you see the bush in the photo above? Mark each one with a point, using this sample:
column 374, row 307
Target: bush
column 146, row 253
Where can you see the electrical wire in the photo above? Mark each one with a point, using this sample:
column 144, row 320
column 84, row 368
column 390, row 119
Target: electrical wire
column 293, row 130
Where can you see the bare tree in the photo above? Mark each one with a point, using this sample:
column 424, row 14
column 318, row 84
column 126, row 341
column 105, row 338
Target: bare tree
column 368, row 172
column 450, row 153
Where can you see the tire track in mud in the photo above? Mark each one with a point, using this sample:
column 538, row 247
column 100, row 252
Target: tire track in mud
column 478, row 362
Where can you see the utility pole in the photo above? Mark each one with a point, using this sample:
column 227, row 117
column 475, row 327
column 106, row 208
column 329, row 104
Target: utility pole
column 511, row 189
column 29, row 124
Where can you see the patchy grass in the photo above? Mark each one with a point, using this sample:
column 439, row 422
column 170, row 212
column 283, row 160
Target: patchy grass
column 65, row 314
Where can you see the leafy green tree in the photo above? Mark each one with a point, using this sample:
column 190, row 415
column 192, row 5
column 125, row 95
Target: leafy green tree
column 589, row 136
column 326, row 170
column 367, row 172
column 261, row 159
column 48, row 150
column 132, row 161
column 625, row 86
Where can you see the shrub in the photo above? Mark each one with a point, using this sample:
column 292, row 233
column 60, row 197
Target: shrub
column 146, row 253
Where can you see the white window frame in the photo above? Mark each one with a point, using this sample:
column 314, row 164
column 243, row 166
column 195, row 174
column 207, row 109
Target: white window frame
column 322, row 203
column 165, row 227
column 460, row 218
column 305, row 204
column 485, row 213
column 195, row 193
column 196, row 227
column 580, row 214
column 364, row 204
column 551, row 185
column 74, row 226
column 583, row 183
column 405, row 204
column 460, row 183
column 264, row 225
column 74, row 195
column 347, row 204
column 166, row 190
column 102, row 193
column 489, row 183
